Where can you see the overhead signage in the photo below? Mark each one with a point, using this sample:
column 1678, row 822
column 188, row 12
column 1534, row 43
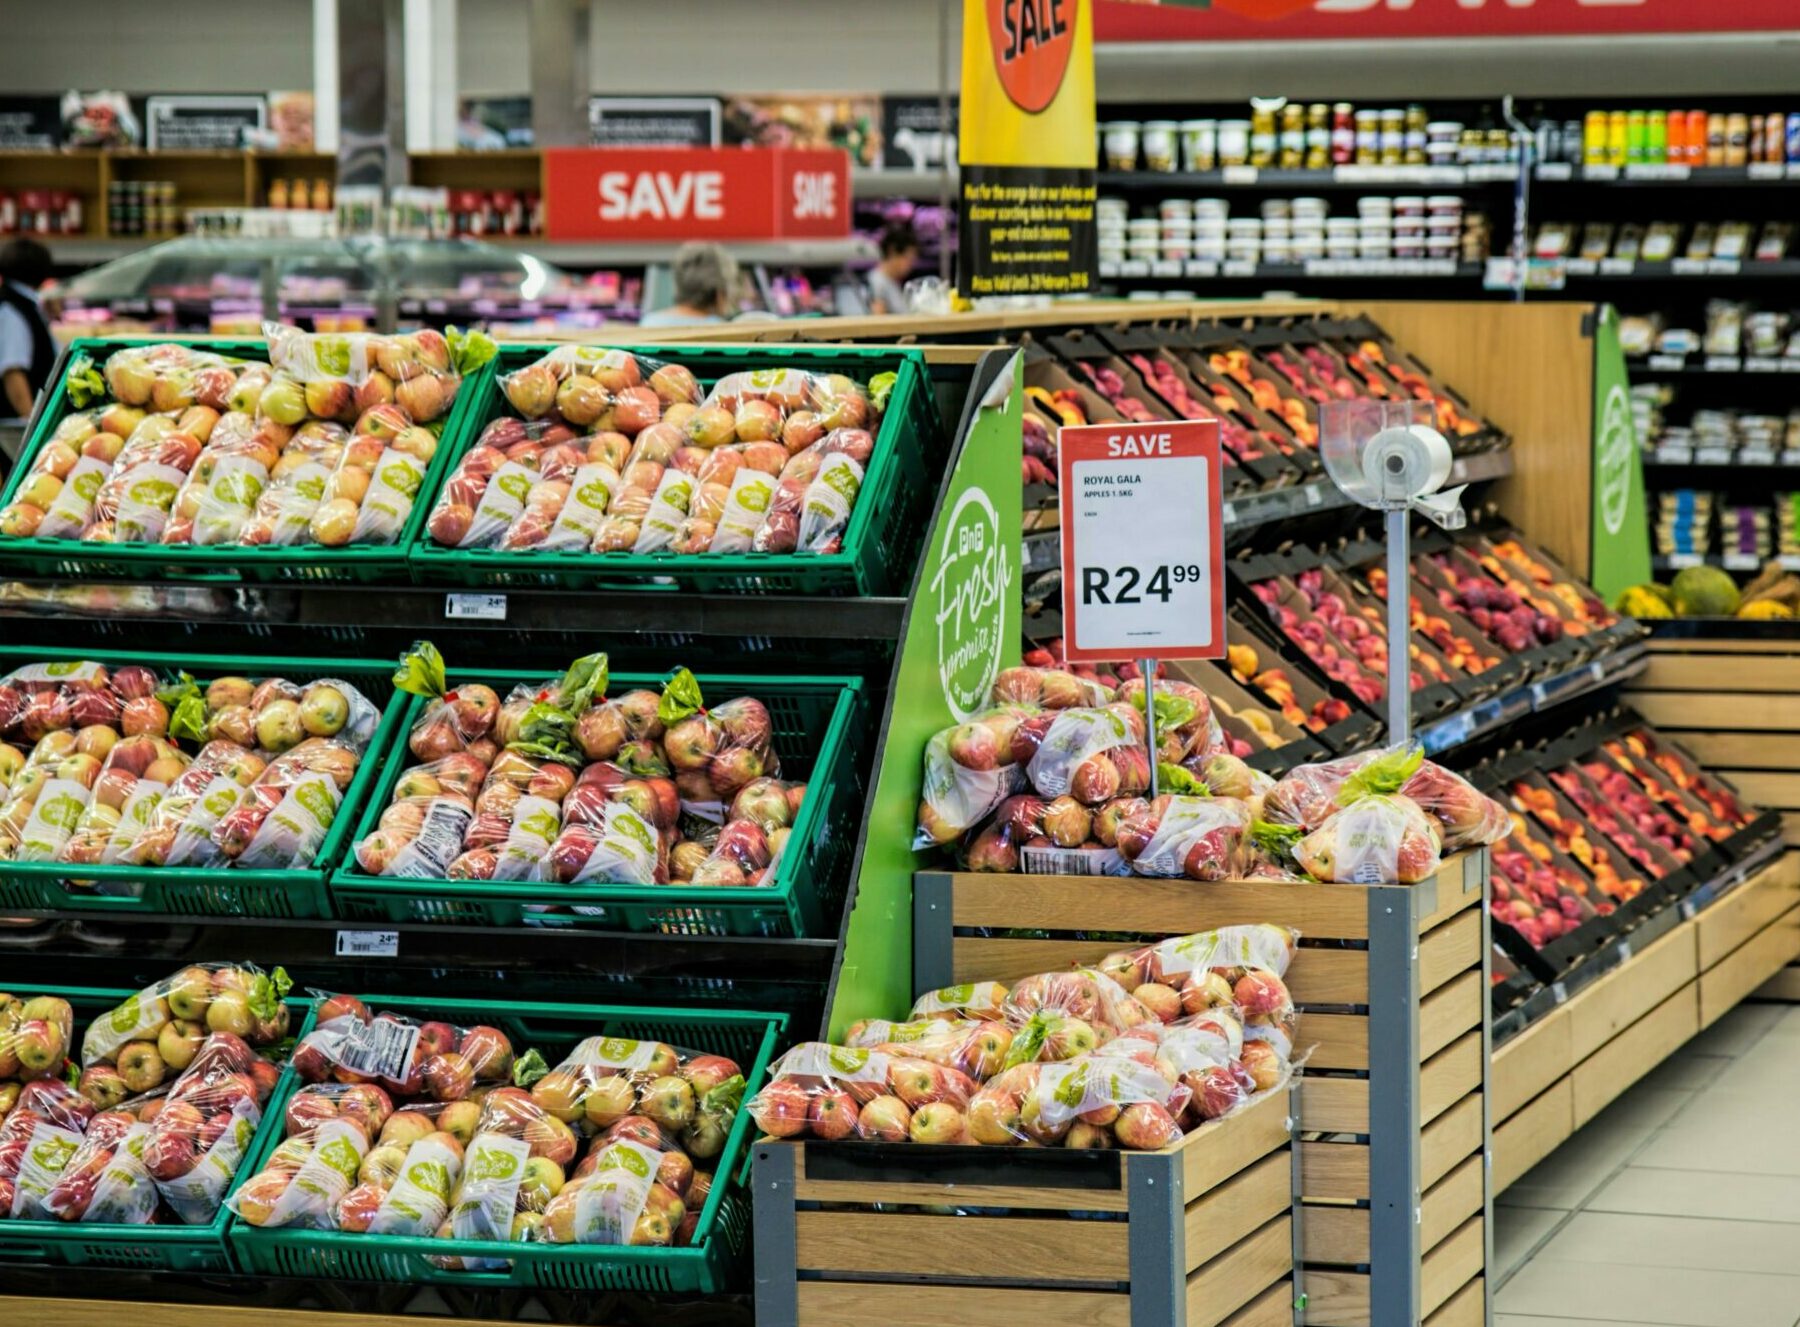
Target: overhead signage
column 189, row 123
column 695, row 194
column 653, row 121
column 1301, row 20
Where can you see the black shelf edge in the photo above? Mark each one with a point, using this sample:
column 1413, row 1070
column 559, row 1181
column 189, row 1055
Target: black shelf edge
column 1712, row 366
column 1656, row 175
column 1323, row 269
column 1496, row 712
column 1336, row 177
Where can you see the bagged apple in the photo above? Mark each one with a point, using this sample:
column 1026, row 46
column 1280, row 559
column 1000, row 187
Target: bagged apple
column 974, row 1047
column 164, row 376
column 56, row 498
column 1205, row 1053
column 33, row 1156
column 1310, row 794
column 511, row 445
column 1091, row 754
column 179, row 831
column 133, row 504
column 832, row 1092
column 433, row 1059
column 714, row 752
column 35, row 1035
column 692, row 1098
column 284, row 817
column 731, row 498
column 512, row 1167
column 1201, row 838
column 202, row 1132
column 593, row 386
column 1098, row 1100
column 1085, row 994
column 1234, row 966
column 609, row 725
column 656, row 480
column 1374, row 839
column 969, row 772
column 455, row 720
column 223, row 487
column 983, row 1001
column 105, row 1180
column 137, row 771
column 158, row 1032
column 306, row 472
column 765, row 405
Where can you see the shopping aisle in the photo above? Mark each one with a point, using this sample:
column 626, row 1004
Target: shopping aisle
column 1679, row 1204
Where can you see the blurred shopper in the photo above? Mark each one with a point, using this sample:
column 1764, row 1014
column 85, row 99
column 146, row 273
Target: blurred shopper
column 706, row 282
column 27, row 350
column 899, row 255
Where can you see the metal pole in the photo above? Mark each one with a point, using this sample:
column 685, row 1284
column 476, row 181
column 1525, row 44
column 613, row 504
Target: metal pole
column 944, row 254
column 1148, row 668
column 1399, row 629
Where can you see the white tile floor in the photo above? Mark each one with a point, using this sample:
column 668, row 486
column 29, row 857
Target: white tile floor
column 1679, row 1204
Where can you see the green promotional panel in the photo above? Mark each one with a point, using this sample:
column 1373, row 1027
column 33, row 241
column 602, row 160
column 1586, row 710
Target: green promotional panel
column 1621, row 531
column 961, row 630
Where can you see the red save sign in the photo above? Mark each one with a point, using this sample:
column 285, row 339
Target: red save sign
column 675, row 194
column 1143, row 541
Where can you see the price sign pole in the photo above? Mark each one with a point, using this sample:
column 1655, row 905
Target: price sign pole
column 1143, row 547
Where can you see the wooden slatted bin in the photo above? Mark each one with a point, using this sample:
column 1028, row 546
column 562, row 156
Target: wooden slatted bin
column 1199, row 1233
column 1392, row 985
column 1734, row 703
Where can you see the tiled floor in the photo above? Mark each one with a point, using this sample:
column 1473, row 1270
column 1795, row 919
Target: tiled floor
column 1679, row 1204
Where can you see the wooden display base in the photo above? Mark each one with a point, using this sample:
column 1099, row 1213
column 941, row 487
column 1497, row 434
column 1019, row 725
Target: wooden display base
column 1200, row 1233
column 1735, row 704
column 1393, row 1186
column 1568, row 1066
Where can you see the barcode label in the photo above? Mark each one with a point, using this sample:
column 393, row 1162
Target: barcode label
column 368, row 944
column 1072, row 861
column 381, row 1048
column 476, row 607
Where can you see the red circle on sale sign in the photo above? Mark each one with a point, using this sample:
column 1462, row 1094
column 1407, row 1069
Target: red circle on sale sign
column 1143, row 541
column 1032, row 41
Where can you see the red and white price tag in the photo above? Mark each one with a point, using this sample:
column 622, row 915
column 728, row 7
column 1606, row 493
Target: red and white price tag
column 1143, row 545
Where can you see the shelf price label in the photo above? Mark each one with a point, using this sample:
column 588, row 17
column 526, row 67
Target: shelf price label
column 1143, row 549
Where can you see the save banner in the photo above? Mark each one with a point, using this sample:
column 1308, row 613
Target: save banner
column 1026, row 210
column 676, row 194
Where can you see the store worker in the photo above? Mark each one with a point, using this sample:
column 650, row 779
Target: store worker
column 27, row 351
column 706, row 282
column 899, row 255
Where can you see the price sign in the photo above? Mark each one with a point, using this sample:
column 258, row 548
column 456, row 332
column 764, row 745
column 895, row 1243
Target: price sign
column 1143, row 551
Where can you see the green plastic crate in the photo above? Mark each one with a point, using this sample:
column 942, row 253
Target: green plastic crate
column 703, row 1266
column 878, row 554
column 818, row 724
column 158, row 1248
column 226, row 564
column 210, row 891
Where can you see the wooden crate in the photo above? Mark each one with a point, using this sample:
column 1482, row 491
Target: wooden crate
column 1564, row 1069
column 1394, row 1189
column 1735, row 705
column 1200, row 1233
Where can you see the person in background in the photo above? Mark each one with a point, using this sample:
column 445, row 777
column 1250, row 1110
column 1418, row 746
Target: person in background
column 706, row 282
column 27, row 350
column 899, row 254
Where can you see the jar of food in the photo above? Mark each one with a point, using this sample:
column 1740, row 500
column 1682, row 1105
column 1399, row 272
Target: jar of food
column 1159, row 145
column 1200, row 144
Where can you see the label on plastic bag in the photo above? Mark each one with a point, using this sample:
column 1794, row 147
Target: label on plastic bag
column 1073, row 861
column 493, row 1168
column 124, row 1195
column 147, row 493
column 33, row 676
column 535, row 823
column 1207, row 1044
column 668, row 508
column 501, row 502
column 380, row 1048
column 612, row 1198
column 590, row 493
column 46, row 1155
column 290, row 835
column 193, row 844
column 1185, row 820
column 73, row 508
column 420, row 1198
column 1074, row 737
column 136, row 816
column 959, row 796
column 619, row 1053
column 54, row 816
column 321, row 356
column 288, row 504
column 825, row 509
column 746, row 508
column 311, row 1197
column 1263, row 947
column 625, row 853
column 389, row 499
column 437, row 844
column 844, row 1064
column 227, row 499
column 195, row 1197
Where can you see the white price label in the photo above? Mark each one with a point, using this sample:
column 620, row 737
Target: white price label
column 1712, row 456
column 368, row 944
column 1201, row 267
column 1617, row 266
column 1239, row 267
column 1109, row 270
column 1723, row 266
column 1756, row 456
column 1556, row 170
column 1143, row 547
column 1668, row 363
column 1134, row 267
column 1656, row 171
column 1688, row 267
column 1765, row 170
column 475, row 607
column 1741, row 561
column 1761, row 364
column 1238, row 175
column 1165, row 267
column 1599, row 172
column 1723, row 363
column 1790, row 456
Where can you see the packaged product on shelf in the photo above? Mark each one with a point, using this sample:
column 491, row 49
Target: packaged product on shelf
column 1310, row 795
column 833, row 1092
column 306, row 1179
column 431, row 1059
column 200, row 1136
column 1097, row 1100
column 1053, row 836
column 105, row 1179
column 1201, row 838
column 974, row 1047
column 983, row 1000
column 691, row 1097
column 1233, row 966
column 158, row 1032
column 35, row 1035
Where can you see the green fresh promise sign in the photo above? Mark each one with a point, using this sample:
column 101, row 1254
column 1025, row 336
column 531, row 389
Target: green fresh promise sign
column 1620, row 555
column 961, row 629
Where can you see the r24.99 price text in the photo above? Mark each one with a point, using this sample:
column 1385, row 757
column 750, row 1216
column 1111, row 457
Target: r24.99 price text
column 1100, row 586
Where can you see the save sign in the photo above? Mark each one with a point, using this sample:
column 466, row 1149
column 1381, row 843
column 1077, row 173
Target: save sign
column 675, row 194
column 1143, row 543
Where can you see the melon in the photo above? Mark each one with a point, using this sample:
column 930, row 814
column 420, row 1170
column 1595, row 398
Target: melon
column 1704, row 592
